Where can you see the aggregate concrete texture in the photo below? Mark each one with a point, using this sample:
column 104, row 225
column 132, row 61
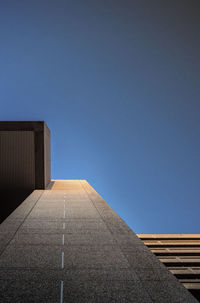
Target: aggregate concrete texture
column 65, row 244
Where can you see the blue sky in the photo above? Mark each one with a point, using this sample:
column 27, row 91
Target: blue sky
column 118, row 84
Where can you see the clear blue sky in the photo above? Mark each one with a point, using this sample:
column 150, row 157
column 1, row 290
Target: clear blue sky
column 118, row 84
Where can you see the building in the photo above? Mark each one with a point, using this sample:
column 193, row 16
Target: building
column 180, row 254
column 24, row 161
column 64, row 243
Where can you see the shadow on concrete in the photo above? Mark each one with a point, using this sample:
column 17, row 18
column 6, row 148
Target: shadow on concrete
column 10, row 200
column 50, row 185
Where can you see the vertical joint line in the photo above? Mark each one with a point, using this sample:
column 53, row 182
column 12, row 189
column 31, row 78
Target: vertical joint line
column 61, row 291
column 62, row 260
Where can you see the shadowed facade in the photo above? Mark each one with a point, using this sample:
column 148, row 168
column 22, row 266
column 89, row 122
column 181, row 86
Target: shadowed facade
column 24, row 161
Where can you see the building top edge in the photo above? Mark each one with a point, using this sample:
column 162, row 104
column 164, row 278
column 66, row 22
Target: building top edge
column 23, row 126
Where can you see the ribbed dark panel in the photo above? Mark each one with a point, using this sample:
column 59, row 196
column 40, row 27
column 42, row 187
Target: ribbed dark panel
column 47, row 156
column 17, row 161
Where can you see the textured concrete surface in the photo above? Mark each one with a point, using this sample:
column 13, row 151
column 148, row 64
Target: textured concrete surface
column 66, row 244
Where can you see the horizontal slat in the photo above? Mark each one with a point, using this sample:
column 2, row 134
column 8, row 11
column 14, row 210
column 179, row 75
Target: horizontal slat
column 185, row 242
column 192, row 285
column 168, row 236
column 177, row 250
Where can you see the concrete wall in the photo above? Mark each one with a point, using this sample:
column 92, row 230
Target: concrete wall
column 67, row 244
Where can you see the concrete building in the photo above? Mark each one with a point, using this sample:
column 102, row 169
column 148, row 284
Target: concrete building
column 65, row 244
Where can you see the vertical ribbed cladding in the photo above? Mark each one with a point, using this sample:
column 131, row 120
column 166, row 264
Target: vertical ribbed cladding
column 47, row 156
column 17, row 169
column 17, row 160
column 25, row 151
